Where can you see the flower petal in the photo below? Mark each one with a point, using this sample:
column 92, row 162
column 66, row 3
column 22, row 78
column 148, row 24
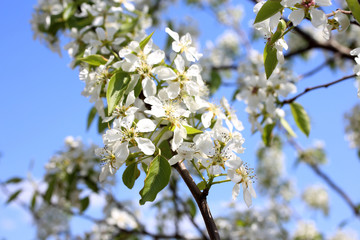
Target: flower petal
column 145, row 145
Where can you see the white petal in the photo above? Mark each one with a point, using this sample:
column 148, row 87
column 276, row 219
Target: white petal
column 235, row 191
column 100, row 33
column 165, row 73
column 323, row 2
column 130, row 99
column 206, row 119
column 172, row 34
column 175, row 159
column 297, row 16
column 104, row 173
column 155, row 57
column 318, row 18
column 121, row 153
column 145, row 145
column 173, row 90
column 180, row 63
column 146, row 125
column 149, row 87
column 247, row 197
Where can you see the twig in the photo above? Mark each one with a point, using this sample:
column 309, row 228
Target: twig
column 200, row 199
column 327, row 179
column 317, row 87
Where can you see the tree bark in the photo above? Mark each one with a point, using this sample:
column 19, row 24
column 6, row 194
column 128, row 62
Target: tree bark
column 200, row 198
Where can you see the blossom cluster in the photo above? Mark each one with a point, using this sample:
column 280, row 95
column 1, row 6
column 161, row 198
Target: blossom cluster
column 174, row 109
column 261, row 95
column 317, row 197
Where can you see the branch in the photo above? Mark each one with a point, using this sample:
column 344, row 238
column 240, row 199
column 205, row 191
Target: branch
column 317, row 87
column 200, row 199
column 327, row 179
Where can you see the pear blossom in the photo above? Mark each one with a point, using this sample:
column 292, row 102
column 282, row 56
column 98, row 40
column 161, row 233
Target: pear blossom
column 104, row 37
column 183, row 45
column 240, row 174
column 142, row 62
column 318, row 17
column 173, row 112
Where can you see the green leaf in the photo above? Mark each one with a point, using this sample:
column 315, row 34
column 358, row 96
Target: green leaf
column 130, row 175
column 354, row 6
column 116, row 89
column 267, row 134
column 191, row 206
column 166, row 149
column 94, row 60
column 50, row 189
column 14, row 180
column 270, row 8
column 84, row 203
column 13, row 196
column 191, row 130
column 101, row 126
column 137, row 89
column 157, row 178
column 279, row 32
column 215, row 81
column 270, row 59
column 143, row 43
column 91, row 117
column 91, row 184
column 301, row 118
column 287, row 127
column 69, row 11
column 33, row 201
column 201, row 185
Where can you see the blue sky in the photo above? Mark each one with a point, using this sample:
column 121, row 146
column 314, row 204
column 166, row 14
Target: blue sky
column 41, row 105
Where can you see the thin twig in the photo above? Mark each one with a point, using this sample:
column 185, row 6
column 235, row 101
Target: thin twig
column 327, row 179
column 317, row 87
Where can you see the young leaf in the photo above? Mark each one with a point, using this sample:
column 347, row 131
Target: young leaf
column 166, row 149
column 201, row 185
column 69, row 11
column 91, row 184
column 354, row 6
column 50, row 189
column 287, row 127
column 91, row 117
column 84, row 203
column 130, row 175
column 94, row 60
column 215, row 81
column 157, row 178
column 191, row 130
column 13, row 196
column 14, row 180
column 270, row 8
column 270, row 59
column 301, row 118
column 116, row 89
column 33, row 201
column 101, row 126
column 267, row 134
column 143, row 43
column 192, row 207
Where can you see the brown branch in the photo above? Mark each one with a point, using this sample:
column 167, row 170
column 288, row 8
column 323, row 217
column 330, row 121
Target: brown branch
column 200, row 199
column 336, row 188
column 317, row 87
column 338, row 10
column 327, row 179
